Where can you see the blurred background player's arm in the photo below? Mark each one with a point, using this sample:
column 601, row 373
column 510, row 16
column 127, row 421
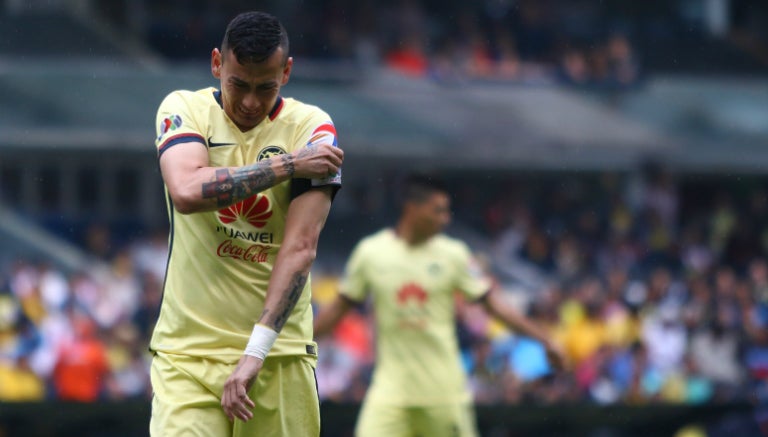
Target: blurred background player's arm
column 497, row 306
column 330, row 315
column 353, row 291
column 194, row 186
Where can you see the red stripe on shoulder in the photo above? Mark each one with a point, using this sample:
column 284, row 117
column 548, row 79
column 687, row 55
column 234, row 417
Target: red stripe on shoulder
column 325, row 127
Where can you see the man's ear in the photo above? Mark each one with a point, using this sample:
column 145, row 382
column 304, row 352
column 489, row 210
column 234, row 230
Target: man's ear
column 287, row 71
column 216, row 61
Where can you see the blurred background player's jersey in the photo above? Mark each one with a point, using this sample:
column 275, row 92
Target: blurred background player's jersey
column 220, row 262
column 412, row 288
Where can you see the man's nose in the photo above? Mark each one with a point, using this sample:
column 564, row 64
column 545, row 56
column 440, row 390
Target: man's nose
column 250, row 102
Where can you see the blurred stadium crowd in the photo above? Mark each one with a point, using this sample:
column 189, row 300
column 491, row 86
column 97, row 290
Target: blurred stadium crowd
column 657, row 292
column 655, row 283
column 587, row 43
column 81, row 336
column 525, row 41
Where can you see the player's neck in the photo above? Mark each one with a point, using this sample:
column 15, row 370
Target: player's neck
column 407, row 233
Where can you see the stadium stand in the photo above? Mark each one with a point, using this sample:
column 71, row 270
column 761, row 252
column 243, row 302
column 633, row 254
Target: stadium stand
column 49, row 35
column 607, row 164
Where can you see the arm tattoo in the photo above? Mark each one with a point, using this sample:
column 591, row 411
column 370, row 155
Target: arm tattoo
column 228, row 187
column 307, row 151
column 294, row 291
column 288, row 163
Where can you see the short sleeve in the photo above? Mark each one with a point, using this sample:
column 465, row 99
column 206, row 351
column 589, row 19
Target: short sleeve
column 354, row 284
column 175, row 123
column 471, row 280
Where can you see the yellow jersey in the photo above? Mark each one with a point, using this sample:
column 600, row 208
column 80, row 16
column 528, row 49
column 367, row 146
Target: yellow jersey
column 220, row 262
column 412, row 292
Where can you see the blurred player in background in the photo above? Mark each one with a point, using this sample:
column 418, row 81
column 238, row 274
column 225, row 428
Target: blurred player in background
column 249, row 177
column 411, row 273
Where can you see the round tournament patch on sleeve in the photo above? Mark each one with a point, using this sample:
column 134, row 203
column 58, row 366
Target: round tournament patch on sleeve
column 170, row 123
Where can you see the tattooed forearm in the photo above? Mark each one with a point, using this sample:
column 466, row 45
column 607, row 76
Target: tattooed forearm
column 287, row 302
column 229, row 187
column 287, row 160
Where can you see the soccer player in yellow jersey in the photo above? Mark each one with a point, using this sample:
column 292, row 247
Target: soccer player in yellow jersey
column 249, row 177
column 411, row 273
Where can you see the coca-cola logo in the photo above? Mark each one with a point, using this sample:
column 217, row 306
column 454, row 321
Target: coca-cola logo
column 255, row 210
column 255, row 253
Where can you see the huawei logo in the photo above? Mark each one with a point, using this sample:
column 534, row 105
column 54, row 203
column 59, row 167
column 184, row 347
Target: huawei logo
column 411, row 291
column 255, row 210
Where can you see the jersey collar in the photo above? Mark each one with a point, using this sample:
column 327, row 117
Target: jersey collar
column 276, row 109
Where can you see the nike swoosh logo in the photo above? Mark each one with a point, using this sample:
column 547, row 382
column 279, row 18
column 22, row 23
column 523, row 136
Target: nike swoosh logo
column 212, row 144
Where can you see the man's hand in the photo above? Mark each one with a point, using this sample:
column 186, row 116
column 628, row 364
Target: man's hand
column 555, row 356
column 235, row 400
column 317, row 162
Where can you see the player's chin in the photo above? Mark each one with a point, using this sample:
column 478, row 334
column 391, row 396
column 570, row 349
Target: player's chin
column 247, row 122
column 253, row 118
column 434, row 231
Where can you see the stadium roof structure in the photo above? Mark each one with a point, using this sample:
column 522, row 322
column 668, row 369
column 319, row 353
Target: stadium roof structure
column 690, row 123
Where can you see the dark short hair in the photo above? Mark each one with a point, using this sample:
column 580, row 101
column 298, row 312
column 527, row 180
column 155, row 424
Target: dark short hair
column 419, row 187
column 254, row 36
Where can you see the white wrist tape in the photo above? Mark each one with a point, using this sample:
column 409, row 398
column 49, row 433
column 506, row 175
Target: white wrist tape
column 261, row 341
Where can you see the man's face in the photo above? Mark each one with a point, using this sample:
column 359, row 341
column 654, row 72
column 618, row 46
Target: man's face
column 433, row 215
column 249, row 91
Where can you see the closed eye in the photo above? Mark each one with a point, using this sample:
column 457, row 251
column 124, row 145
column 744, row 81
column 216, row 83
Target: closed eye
column 238, row 83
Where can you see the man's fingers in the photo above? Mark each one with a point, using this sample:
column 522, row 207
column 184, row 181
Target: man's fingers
column 334, row 160
column 249, row 402
column 242, row 396
column 242, row 411
column 232, row 393
column 337, row 152
column 225, row 405
column 232, row 406
column 236, row 403
column 334, row 153
column 234, row 397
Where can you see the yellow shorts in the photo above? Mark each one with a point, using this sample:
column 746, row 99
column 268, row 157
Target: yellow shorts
column 382, row 420
column 187, row 398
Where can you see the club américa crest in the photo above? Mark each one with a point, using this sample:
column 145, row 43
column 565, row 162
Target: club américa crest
column 270, row 152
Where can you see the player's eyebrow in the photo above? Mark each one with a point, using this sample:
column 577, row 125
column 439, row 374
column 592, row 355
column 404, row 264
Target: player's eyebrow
column 237, row 81
column 240, row 82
